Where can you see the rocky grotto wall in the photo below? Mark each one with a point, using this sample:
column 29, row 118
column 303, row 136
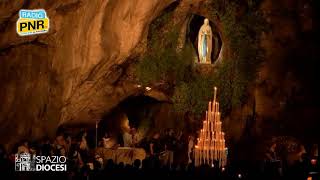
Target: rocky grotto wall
column 82, row 68
column 70, row 75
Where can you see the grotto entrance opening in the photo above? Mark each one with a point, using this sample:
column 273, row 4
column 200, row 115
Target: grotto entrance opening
column 143, row 113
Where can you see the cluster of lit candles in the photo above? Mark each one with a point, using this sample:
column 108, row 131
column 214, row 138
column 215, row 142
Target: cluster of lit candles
column 210, row 145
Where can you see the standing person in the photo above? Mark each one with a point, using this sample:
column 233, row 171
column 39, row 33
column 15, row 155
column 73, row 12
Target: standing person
column 272, row 164
column 315, row 151
column 45, row 147
column 271, row 154
column 106, row 139
column 60, row 142
column 83, row 141
column 170, row 146
column 135, row 137
column 83, row 147
column 74, row 158
column 68, row 141
column 155, row 149
column 127, row 139
column 124, row 139
column 181, row 148
column 24, row 147
column 190, row 149
column 120, row 140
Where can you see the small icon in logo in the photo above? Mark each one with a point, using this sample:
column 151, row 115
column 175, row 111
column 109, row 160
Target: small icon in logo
column 24, row 162
column 32, row 22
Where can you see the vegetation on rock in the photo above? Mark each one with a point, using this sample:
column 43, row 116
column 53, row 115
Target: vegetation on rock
column 242, row 32
column 192, row 90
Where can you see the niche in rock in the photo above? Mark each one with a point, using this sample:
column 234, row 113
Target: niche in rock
column 195, row 23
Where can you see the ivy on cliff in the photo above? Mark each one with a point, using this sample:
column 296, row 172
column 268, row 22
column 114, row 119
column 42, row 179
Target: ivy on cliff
column 164, row 65
column 242, row 26
column 162, row 62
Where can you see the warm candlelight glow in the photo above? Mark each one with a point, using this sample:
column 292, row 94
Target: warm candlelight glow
column 211, row 143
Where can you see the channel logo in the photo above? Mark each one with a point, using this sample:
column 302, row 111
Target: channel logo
column 32, row 22
column 28, row 162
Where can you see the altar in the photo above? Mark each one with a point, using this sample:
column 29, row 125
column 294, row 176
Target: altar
column 126, row 155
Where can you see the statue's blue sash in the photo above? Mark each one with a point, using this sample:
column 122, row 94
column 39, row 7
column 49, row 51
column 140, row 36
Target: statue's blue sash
column 204, row 46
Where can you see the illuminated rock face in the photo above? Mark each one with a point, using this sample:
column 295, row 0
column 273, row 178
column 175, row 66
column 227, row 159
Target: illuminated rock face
column 81, row 68
column 74, row 73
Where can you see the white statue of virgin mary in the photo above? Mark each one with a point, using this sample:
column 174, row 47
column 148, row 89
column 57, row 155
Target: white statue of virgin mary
column 205, row 42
